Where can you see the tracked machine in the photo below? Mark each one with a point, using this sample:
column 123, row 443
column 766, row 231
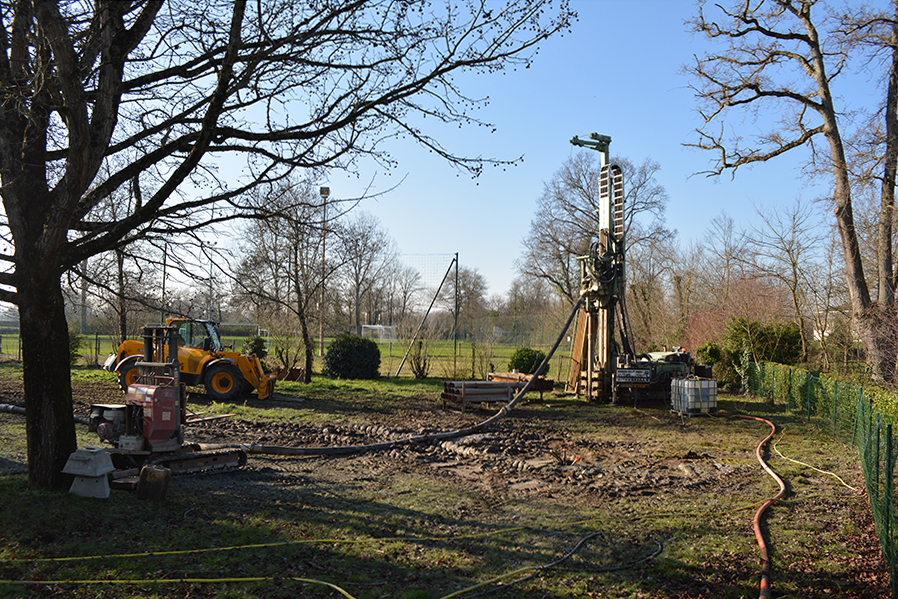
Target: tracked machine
column 604, row 365
column 148, row 429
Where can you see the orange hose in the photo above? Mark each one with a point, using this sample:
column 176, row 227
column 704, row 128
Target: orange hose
column 765, row 556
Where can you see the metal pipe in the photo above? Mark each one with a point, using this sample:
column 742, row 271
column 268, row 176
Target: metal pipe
column 415, row 336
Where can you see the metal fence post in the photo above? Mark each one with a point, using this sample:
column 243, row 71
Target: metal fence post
column 835, row 391
column 889, row 542
column 877, row 461
column 807, row 387
column 809, row 408
column 789, row 389
column 833, row 407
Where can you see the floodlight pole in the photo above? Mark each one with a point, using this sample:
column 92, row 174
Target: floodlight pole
column 324, row 192
column 455, row 326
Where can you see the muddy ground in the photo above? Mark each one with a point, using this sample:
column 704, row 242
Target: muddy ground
column 564, row 452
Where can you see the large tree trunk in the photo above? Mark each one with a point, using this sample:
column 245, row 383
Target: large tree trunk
column 867, row 316
column 887, row 199
column 875, row 321
column 50, row 424
column 876, row 329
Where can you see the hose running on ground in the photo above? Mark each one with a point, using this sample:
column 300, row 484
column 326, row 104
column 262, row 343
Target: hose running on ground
column 355, row 449
column 420, row 439
column 756, row 523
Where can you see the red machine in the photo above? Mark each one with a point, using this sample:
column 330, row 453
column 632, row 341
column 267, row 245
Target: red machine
column 161, row 414
column 148, row 428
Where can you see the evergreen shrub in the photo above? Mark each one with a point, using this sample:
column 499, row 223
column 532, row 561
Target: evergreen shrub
column 352, row 357
column 527, row 360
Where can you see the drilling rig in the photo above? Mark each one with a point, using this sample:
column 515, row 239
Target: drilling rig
column 604, row 365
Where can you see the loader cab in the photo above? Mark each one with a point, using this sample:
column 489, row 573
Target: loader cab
column 198, row 334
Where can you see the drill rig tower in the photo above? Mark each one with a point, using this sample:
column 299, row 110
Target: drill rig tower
column 605, row 366
column 602, row 282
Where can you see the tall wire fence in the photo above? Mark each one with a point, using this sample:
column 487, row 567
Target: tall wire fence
column 858, row 416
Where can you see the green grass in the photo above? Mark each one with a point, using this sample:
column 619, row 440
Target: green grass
column 377, row 528
column 447, row 359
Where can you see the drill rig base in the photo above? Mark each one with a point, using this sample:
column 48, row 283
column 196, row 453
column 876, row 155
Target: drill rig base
column 131, row 465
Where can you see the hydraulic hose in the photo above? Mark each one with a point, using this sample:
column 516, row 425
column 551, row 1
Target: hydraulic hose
column 417, row 440
column 354, row 449
column 756, row 522
column 19, row 410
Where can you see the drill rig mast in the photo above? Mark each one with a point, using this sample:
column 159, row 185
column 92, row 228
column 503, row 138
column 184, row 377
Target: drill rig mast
column 604, row 363
column 603, row 283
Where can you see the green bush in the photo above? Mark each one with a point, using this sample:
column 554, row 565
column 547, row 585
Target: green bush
column 254, row 346
column 778, row 342
column 748, row 341
column 352, row 357
column 527, row 360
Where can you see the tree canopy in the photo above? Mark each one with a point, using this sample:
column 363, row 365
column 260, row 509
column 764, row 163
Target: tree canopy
column 193, row 103
column 566, row 219
column 778, row 65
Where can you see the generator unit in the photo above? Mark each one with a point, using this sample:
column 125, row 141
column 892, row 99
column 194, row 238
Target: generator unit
column 148, row 428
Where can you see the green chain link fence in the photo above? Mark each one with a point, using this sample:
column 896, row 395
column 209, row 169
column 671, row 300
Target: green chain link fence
column 854, row 415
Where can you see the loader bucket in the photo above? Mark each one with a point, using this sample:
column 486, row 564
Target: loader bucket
column 266, row 385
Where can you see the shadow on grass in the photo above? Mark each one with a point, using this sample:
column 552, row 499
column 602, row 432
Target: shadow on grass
column 371, row 537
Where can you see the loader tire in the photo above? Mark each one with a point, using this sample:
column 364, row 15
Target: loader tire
column 224, row 382
column 127, row 375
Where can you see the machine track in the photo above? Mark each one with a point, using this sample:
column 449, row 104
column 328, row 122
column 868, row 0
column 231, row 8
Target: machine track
column 210, row 461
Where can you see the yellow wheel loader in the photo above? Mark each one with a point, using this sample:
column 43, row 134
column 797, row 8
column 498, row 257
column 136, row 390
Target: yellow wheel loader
column 204, row 362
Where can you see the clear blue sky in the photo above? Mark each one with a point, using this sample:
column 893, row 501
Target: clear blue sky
column 617, row 73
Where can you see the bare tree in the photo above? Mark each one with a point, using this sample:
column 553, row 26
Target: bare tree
column 828, row 302
column 715, row 282
column 786, row 249
column 685, row 273
column 648, row 271
column 566, row 219
column 365, row 252
column 528, row 306
column 279, row 270
column 404, row 286
column 472, row 300
column 725, row 248
column 174, row 92
column 778, row 56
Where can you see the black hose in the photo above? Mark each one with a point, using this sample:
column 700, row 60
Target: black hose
column 417, row 440
column 19, row 410
column 568, row 555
